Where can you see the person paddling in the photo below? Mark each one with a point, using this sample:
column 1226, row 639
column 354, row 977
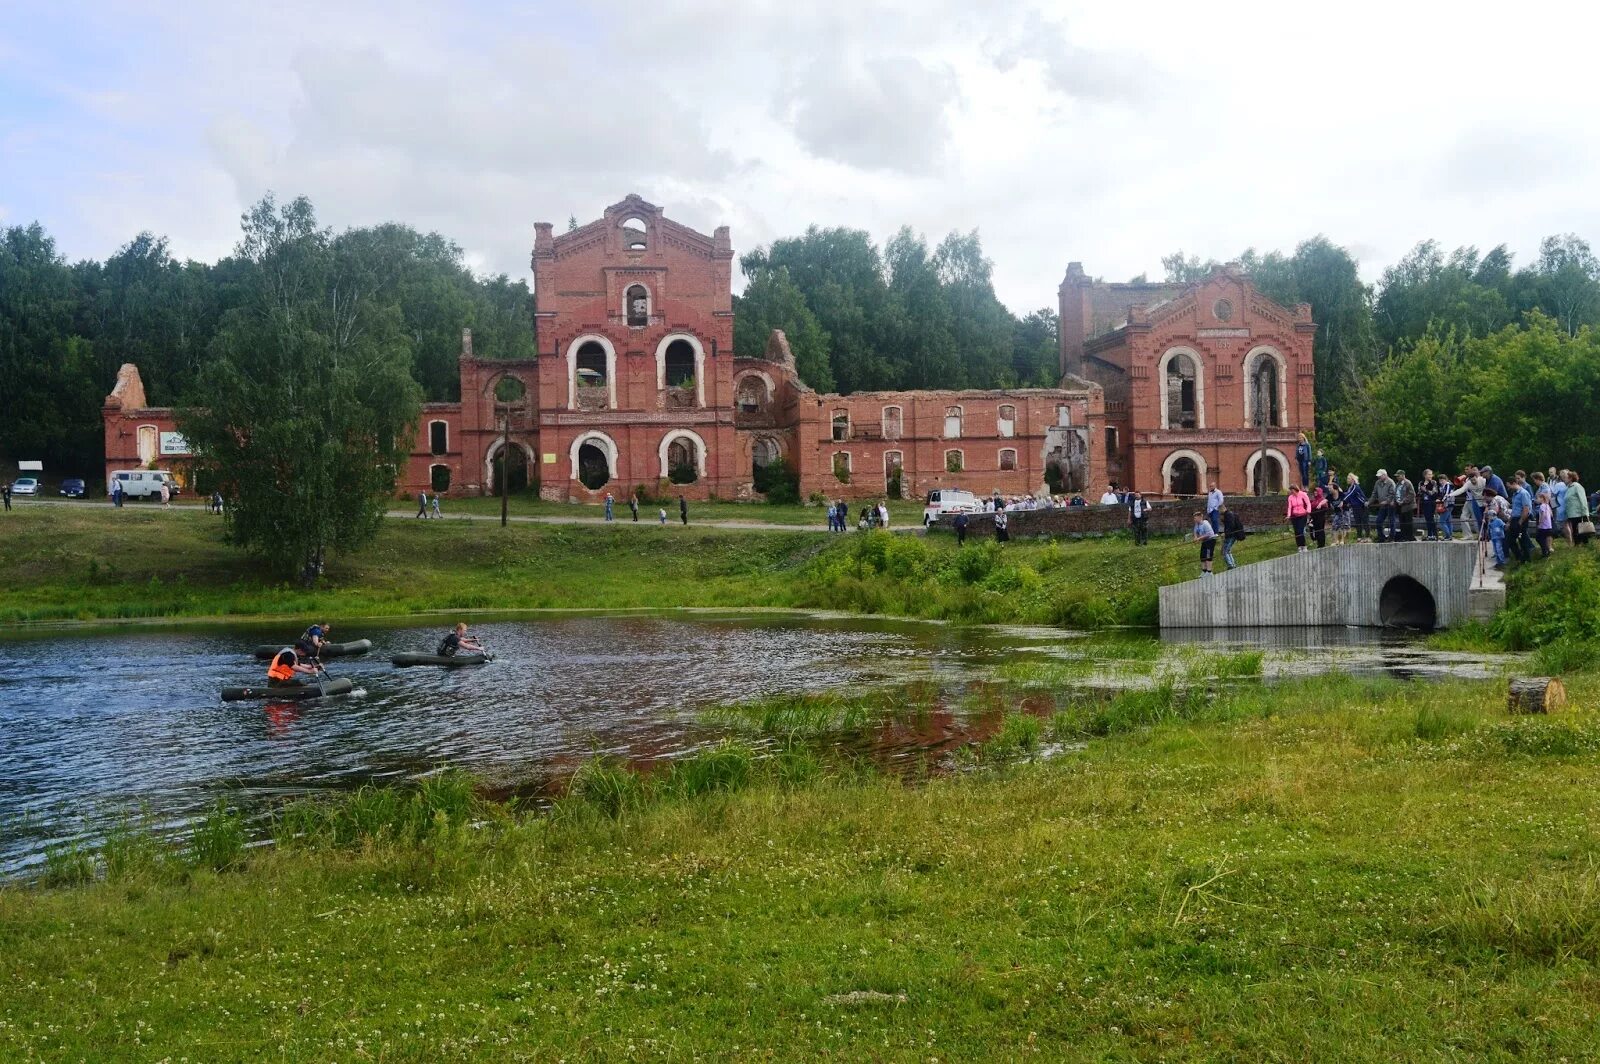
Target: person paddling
column 458, row 641
column 288, row 670
column 315, row 638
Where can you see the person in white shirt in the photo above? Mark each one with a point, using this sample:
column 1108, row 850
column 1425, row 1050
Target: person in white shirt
column 1214, row 502
column 883, row 515
column 1109, row 498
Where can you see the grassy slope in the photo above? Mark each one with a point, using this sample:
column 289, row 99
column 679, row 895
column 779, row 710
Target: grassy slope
column 1350, row 870
column 67, row 562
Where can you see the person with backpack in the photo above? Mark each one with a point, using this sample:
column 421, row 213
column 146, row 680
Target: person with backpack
column 1232, row 532
column 457, row 641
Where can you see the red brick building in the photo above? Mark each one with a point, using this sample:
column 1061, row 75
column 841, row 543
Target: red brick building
column 636, row 385
column 1193, row 376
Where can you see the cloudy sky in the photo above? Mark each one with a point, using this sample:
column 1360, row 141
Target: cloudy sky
column 1108, row 133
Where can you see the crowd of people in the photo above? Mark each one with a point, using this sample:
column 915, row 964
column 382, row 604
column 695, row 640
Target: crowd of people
column 872, row 515
column 1511, row 516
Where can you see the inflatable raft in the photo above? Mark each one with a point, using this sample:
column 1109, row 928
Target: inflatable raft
column 295, row 693
column 266, row 651
column 453, row 661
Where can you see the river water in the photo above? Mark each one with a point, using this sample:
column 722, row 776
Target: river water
column 96, row 725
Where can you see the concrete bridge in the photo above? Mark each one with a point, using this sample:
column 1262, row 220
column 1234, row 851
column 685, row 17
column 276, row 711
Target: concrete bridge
column 1404, row 585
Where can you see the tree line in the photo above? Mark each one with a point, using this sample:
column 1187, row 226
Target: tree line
column 66, row 327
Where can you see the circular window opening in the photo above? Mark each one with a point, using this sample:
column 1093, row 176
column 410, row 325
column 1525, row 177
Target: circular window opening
column 1223, row 310
column 509, row 390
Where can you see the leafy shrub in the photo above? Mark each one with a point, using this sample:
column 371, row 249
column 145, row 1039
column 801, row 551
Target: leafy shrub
column 1555, row 599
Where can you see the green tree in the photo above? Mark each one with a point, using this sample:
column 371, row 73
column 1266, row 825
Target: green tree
column 309, row 403
column 1036, row 349
column 1566, row 282
column 771, row 301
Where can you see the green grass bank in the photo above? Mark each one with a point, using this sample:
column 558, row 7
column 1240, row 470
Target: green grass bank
column 1334, row 869
column 69, row 563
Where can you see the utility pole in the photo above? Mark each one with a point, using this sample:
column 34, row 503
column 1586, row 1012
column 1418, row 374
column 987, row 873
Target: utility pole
column 1263, row 402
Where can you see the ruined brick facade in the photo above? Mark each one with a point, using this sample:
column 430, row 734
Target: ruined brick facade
column 1184, row 369
column 635, row 385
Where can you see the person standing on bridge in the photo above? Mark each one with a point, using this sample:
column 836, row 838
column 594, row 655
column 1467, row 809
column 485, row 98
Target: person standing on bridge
column 1206, row 536
column 1355, row 504
column 1319, row 517
column 1383, row 491
column 1214, row 501
column 1577, row 511
column 1299, row 511
column 1405, row 505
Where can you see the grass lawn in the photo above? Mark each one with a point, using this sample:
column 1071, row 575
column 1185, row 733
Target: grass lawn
column 1338, row 869
column 94, row 562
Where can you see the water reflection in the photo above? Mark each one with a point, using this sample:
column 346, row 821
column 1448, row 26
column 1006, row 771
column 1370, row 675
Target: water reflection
column 95, row 723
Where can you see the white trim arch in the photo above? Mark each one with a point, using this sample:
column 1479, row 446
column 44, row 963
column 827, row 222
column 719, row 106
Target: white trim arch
column 1255, row 460
column 649, row 303
column 1201, row 470
column 1199, row 384
column 738, row 381
column 153, row 434
column 572, row 369
column 494, row 449
column 600, row 440
column 699, row 450
column 1251, row 360
column 699, row 363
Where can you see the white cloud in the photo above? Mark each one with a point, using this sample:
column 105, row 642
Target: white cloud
column 1108, row 134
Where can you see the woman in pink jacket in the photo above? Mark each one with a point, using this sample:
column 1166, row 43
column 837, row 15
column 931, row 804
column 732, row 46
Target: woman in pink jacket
column 1299, row 510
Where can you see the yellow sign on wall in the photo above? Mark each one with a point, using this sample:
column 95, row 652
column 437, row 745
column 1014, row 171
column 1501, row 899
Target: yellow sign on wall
column 549, row 459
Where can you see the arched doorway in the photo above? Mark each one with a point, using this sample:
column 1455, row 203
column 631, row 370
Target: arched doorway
column 594, row 468
column 1406, row 603
column 1274, row 469
column 763, row 452
column 683, row 461
column 1183, row 478
column 508, row 468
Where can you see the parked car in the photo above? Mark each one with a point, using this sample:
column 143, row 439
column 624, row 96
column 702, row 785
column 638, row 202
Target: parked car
column 943, row 501
column 25, row 486
column 144, row 483
column 72, row 487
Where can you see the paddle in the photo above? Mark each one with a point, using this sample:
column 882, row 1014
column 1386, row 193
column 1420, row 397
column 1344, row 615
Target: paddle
column 323, row 687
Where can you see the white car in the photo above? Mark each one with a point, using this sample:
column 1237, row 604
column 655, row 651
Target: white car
column 943, row 501
column 25, row 486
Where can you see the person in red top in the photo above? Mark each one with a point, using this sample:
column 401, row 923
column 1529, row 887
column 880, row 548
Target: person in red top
column 1299, row 511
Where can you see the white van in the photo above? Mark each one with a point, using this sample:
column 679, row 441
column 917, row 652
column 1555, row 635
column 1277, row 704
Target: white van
column 142, row 483
column 948, row 501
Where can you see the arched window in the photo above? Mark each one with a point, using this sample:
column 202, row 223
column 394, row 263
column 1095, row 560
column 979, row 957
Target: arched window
column 1008, row 458
column 752, row 396
column 763, row 452
column 1183, row 475
column 841, row 466
column 439, row 478
column 1007, row 420
column 1274, row 471
column 683, row 461
column 680, row 364
column 438, row 437
column 954, row 461
column 634, row 234
column 952, row 422
column 841, row 426
column 591, row 366
column 1264, row 388
column 509, row 390
column 594, row 471
column 891, row 423
column 1180, row 391
column 637, row 301
column 1064, row 415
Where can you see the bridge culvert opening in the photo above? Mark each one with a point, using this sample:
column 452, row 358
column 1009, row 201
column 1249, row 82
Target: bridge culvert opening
column 1406, row 603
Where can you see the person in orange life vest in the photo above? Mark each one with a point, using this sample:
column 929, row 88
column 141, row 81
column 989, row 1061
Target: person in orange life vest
column 287, row 670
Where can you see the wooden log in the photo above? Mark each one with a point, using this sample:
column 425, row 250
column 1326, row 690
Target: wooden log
column 1536, row 694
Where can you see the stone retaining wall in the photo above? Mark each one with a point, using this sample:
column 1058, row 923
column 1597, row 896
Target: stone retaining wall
column 1166, row 518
